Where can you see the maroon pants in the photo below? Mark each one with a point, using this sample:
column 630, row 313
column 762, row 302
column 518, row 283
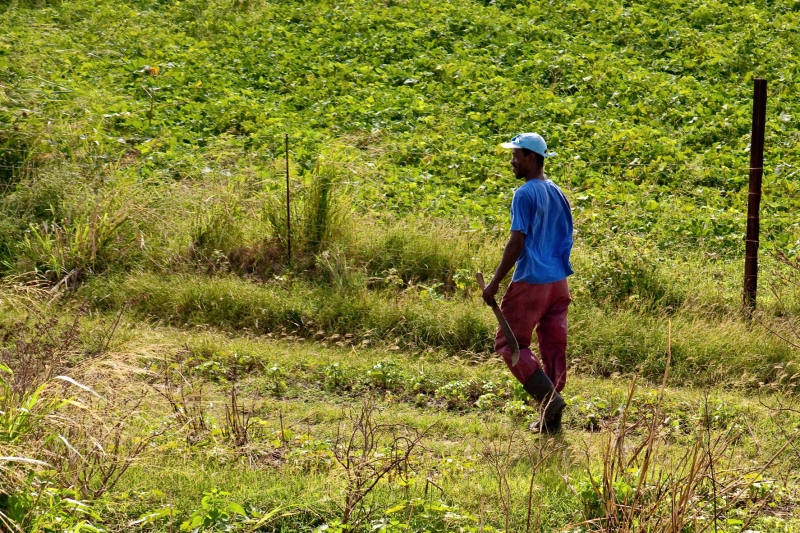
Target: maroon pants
column 543, row 307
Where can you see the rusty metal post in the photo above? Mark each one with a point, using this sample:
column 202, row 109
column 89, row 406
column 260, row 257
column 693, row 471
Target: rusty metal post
column 288, row 207
column 754, row 196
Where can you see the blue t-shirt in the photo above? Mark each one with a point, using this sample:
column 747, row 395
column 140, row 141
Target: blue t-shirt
column 541, row 211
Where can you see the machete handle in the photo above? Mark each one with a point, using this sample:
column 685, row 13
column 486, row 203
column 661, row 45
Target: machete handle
column 482, row 284
column 510, row 338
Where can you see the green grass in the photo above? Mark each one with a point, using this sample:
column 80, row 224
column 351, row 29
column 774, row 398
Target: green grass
column 713, row 343
column 298, row 394
column 454, row 455
column 141, row 157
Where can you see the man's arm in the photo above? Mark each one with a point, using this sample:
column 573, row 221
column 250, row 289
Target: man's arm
column 514, row 246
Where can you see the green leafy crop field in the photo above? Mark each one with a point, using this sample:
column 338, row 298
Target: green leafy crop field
column 167, row 365
column 647, row 104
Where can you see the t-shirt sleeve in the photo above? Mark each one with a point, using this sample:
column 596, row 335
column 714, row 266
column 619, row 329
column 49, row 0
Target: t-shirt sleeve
column 522, row 207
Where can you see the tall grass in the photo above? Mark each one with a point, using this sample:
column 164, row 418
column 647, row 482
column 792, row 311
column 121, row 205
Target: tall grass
column 61, row 442
column 319, row 211
column 602, row 343
column 433, row 252
column 69, row 231
column 299, row 307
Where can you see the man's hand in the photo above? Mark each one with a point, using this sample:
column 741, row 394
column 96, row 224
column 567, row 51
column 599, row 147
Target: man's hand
column 489, row 292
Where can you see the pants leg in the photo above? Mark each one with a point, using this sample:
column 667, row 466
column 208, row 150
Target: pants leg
column 552, row 335
column 523, row 306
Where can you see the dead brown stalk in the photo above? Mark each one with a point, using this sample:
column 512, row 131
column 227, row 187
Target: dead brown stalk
column 185, row 398
column 368, row 451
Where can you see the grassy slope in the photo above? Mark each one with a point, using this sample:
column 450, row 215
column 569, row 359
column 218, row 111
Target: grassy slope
column 707, row 350
column 312, row 404
column 195, row 187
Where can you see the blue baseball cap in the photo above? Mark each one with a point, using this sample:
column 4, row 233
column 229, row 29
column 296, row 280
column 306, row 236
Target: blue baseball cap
column 532, row 141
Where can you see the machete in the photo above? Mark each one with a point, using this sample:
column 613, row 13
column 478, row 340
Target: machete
column 512, row 340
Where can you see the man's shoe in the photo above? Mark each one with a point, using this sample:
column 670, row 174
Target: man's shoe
column 550, row 402
column 553, row 426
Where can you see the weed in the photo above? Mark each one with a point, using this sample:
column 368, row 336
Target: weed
column 589, row 412
column 214, row 364
column 216, row 511
column 93, row 242
column 422, row 383
column 276, row 380
column 633, row 492
column 487, row 402
column 43, row 506
column 339, row 270
column 238, row 420
column 369, row 451
column 40, row 348
column 87, row 441
column 518, row 411
column 185, row 399
column 386, row 375
column 418, row 514
column 335, row 377
column 498, row 454
column 310, row 455
column 456, row 393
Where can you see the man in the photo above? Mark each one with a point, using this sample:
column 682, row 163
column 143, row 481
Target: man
column 538, row 296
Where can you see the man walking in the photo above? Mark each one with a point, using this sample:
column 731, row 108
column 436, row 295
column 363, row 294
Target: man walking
column 538, row 296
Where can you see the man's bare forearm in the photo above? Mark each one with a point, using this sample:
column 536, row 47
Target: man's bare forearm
column 511, row 253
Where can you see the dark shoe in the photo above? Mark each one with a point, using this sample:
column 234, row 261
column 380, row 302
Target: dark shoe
column 553, row 426
column 550, row 402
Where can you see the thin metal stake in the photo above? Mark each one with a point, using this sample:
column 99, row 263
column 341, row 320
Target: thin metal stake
column 754, row 196
column 288, row 206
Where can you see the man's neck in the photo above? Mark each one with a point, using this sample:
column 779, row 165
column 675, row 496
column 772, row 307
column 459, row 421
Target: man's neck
column 536, row 175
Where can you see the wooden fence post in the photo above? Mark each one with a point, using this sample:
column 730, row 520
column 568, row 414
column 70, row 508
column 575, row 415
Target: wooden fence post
column 288, row 207
column 754, row 196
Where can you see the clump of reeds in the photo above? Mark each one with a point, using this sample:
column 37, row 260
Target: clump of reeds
column 317, row 214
